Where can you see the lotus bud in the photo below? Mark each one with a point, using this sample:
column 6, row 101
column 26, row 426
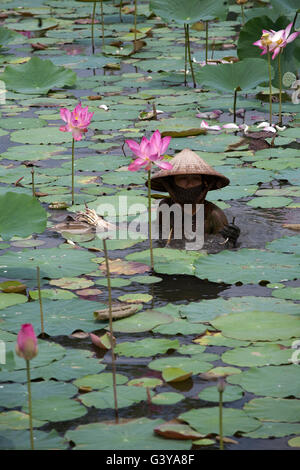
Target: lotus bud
column 221, row 385
column 26, row 346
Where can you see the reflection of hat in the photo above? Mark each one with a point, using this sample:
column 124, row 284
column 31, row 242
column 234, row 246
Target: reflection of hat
column 188, row 162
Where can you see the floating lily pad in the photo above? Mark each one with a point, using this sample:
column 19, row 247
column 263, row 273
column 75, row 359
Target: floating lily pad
column 167, row 398
column 295, row 442
column 270, row 381
column 285, row 245
column 56, row 408
column 6, row 300
column 274, row 409
column 247, row 266
column 20, row 440
column 42, row 136
column 141, row 322
column 269, row 201
column 146, row 347
column 136, row 435
column 258, row 326
column 105, row 398
column 119, row 266
column 187, row 364
column 71, row 283
column 269, row 430
column 53, row 263
column 99, row 381
column 206, row 421
column 261, row 355
column 147, row 382
column 230, row 393
column 180, row 327
column 169, row 261
column 135, row 298
column 17, row 420
column 60, row 316
column 287, row 293
column 53, row 294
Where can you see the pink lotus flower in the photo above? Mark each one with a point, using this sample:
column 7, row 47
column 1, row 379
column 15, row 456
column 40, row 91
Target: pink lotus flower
column 149, row 152
column 27, row 34
column 26, row 346
column 275, row 41
column 77, row 121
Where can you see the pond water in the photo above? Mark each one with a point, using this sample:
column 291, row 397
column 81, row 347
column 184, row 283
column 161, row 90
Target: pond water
column 200, row 291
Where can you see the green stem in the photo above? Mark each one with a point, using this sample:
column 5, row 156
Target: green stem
column 243, row 15
column 270, row 86
column 40, row 299
column 29, row 404
column 221, row 420
column 120, row 11
column 73, row 147
column 185, row 55
column 294, row 21
column 102, row 21
column 32, row 182
column 149, row 219
column 234, row 104
column 135, row 14
column 206, row 41
column 280, row 88
column 189, row 53
column 93, row 27
column 113, row 358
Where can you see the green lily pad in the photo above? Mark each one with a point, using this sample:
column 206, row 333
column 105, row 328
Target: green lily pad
column 41, row 136
column 269, row 202
column 180, row 327
column 17, row 420
column 274, row 409
column 295, row 442
column 287, row 293
column 60, row 316
column 105, row 398
column 135, row 298
column 206, row 421
column 230, row 393
column 272, row 381
column 53, row 294
column 37, row 76
column 168, row 261
column 269, row 430
column 56, row 408
column 261, row 355
column 207, row 310
column 187, row 364
column 146, row 279
column 146, row 347
column 7, row 300
column 189, row 11
column 247, row 266
column 167, row 398
column 99, row 381
column 137, row 434
column 258, row 326
column 53, row 262
column 147, row 382
column 141, row 322
column 285, row 245
column 20, row 440
column 21, row 215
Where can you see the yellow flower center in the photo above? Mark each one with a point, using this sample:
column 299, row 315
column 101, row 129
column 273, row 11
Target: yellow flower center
column 265, row 39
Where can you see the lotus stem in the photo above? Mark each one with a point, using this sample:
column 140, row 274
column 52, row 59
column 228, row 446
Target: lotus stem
column 29, row 404
column 189, row 53
column 113, row 358
column 234, row 104
column 270, row 86
column 120, row 11
column 73, row 148
column 294, row 20
column 221, row 419
column 280, row 88
column 135, row 14
column 102, row 21
column 243, row 15
column 32, row 182
column 149, row 220
column 40, row 299
column 93, row 27
column 185, row 55
column 206, row 42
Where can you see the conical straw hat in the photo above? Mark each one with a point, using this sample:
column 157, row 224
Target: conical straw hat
column 188, row 162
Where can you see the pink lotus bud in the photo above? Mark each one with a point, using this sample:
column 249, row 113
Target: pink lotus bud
column 26, row 346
